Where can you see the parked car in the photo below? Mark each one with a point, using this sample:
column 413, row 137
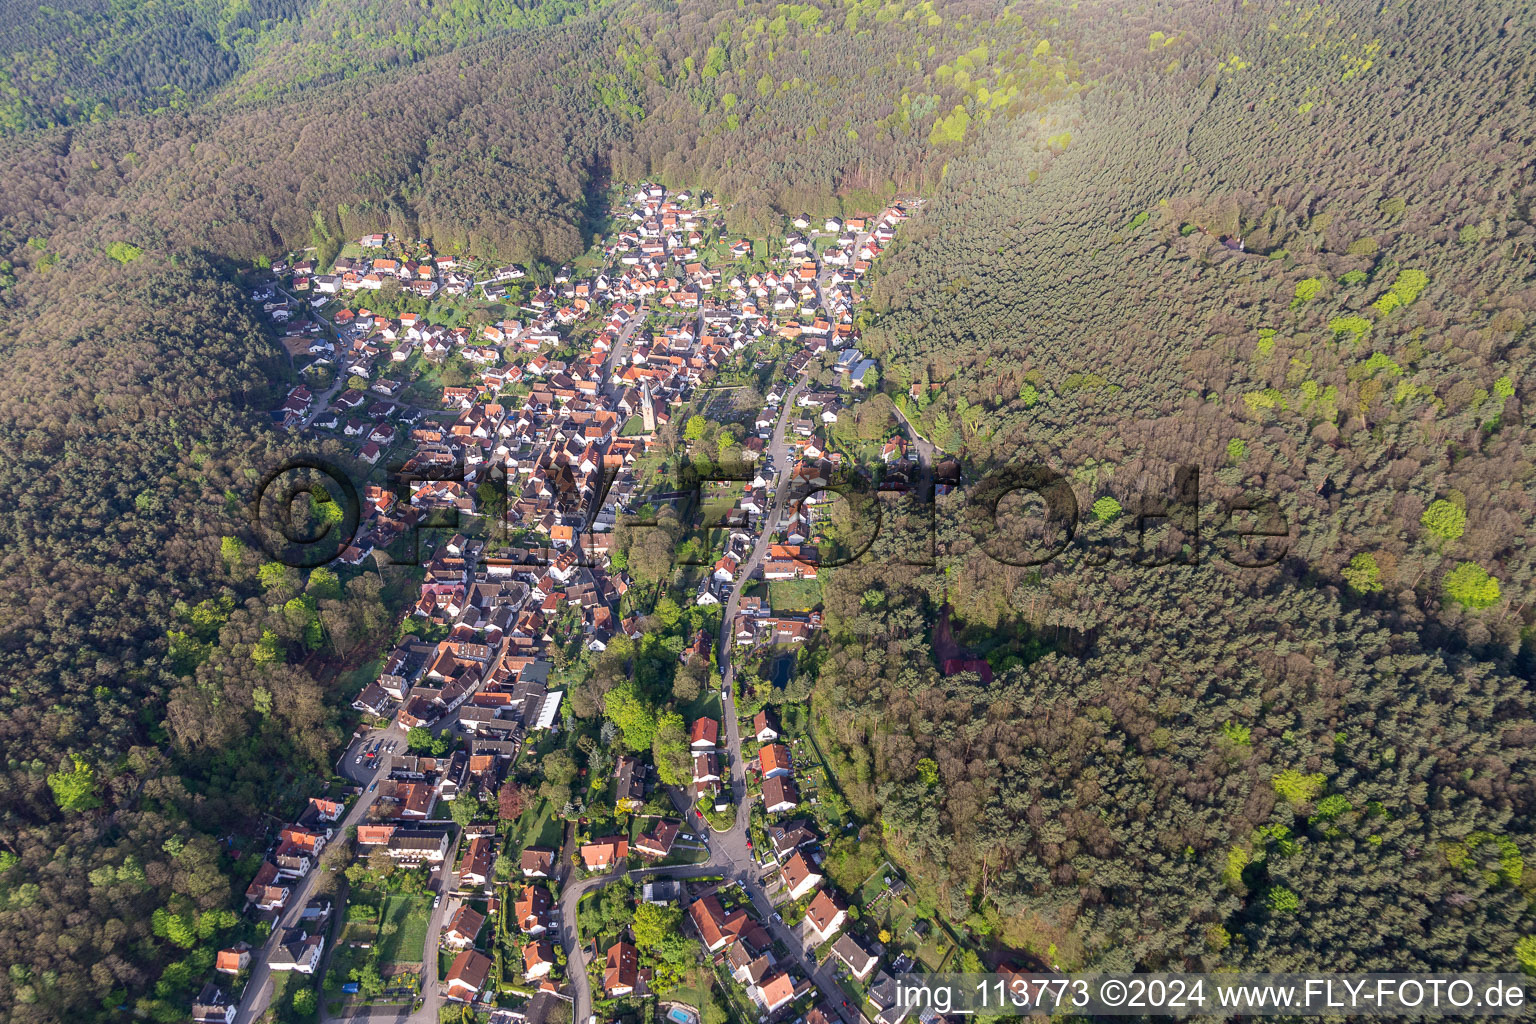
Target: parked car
column 437, row 901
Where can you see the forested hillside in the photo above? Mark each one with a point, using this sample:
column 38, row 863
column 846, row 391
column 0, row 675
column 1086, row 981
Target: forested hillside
column 1248, row 248
column 151, row 681
column 1320, row 763
column 88, row 60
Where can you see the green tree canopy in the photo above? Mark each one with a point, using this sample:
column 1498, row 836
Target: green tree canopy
column 1362, row 574
column 1445, row 520
column 1470, row 586
column 632, row 713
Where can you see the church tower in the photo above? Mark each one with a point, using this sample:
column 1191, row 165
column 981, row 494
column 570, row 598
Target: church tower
column 647, row 408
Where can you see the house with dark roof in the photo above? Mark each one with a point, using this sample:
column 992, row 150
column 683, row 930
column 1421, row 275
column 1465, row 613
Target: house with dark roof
column 765, row 725
column 476, row 869
column 463, row 927
column 537, row 862
column 657, row 842
column 297, row 951
column 630, row 773
column 213, row 1006
column 859, row 961
column 780, row 795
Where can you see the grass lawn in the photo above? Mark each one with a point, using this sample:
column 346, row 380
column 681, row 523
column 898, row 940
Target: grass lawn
column 794, row 595
column 694, row 990
column 547, row 830
column 850, row 988
column 537, row 826
column 713, row 510
column 410, row 915
column 362, row 675
column 706, row 705
column 445, row 314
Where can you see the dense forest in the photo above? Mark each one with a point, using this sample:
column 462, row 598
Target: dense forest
column 1288, row 244
column 1248, row 248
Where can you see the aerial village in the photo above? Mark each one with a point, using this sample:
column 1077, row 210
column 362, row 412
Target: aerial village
column 521, row 837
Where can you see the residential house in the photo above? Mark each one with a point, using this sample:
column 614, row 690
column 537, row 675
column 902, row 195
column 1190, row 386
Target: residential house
column 706, row 767
column 234, row 959
column 297, row 951
column 882, row 995
column 705, row 734
column 661, row 893
column 537, row 862
column 622, row 972
column 780, row 795
column 716, row 928
column 789, row 837
column 467, row 976
column 476, row 870
column 825, row 916
column 415, row 846
column 213, row 1006
column 538, row 959
column 463, row 927
column 602, row 854
column 657, row 843
column 859, row 961
column 266, row 890
column 773, row 760
column 531, row 908
column 766, row 726
column 775, row 990
column 630, row 773
column 799, row 876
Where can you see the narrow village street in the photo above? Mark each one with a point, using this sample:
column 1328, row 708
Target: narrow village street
column 730, row 856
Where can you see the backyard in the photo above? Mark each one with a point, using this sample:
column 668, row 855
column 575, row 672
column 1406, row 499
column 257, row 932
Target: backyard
column 905, row 927
column 794, row 595
column 403, row 929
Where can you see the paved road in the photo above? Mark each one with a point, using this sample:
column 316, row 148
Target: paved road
column 575, row 953
column 781, row 489
column 730, row 856
column 258, row 991
column 431, row 991
column 616, row 355
column 322, row 402
column 925, row 448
